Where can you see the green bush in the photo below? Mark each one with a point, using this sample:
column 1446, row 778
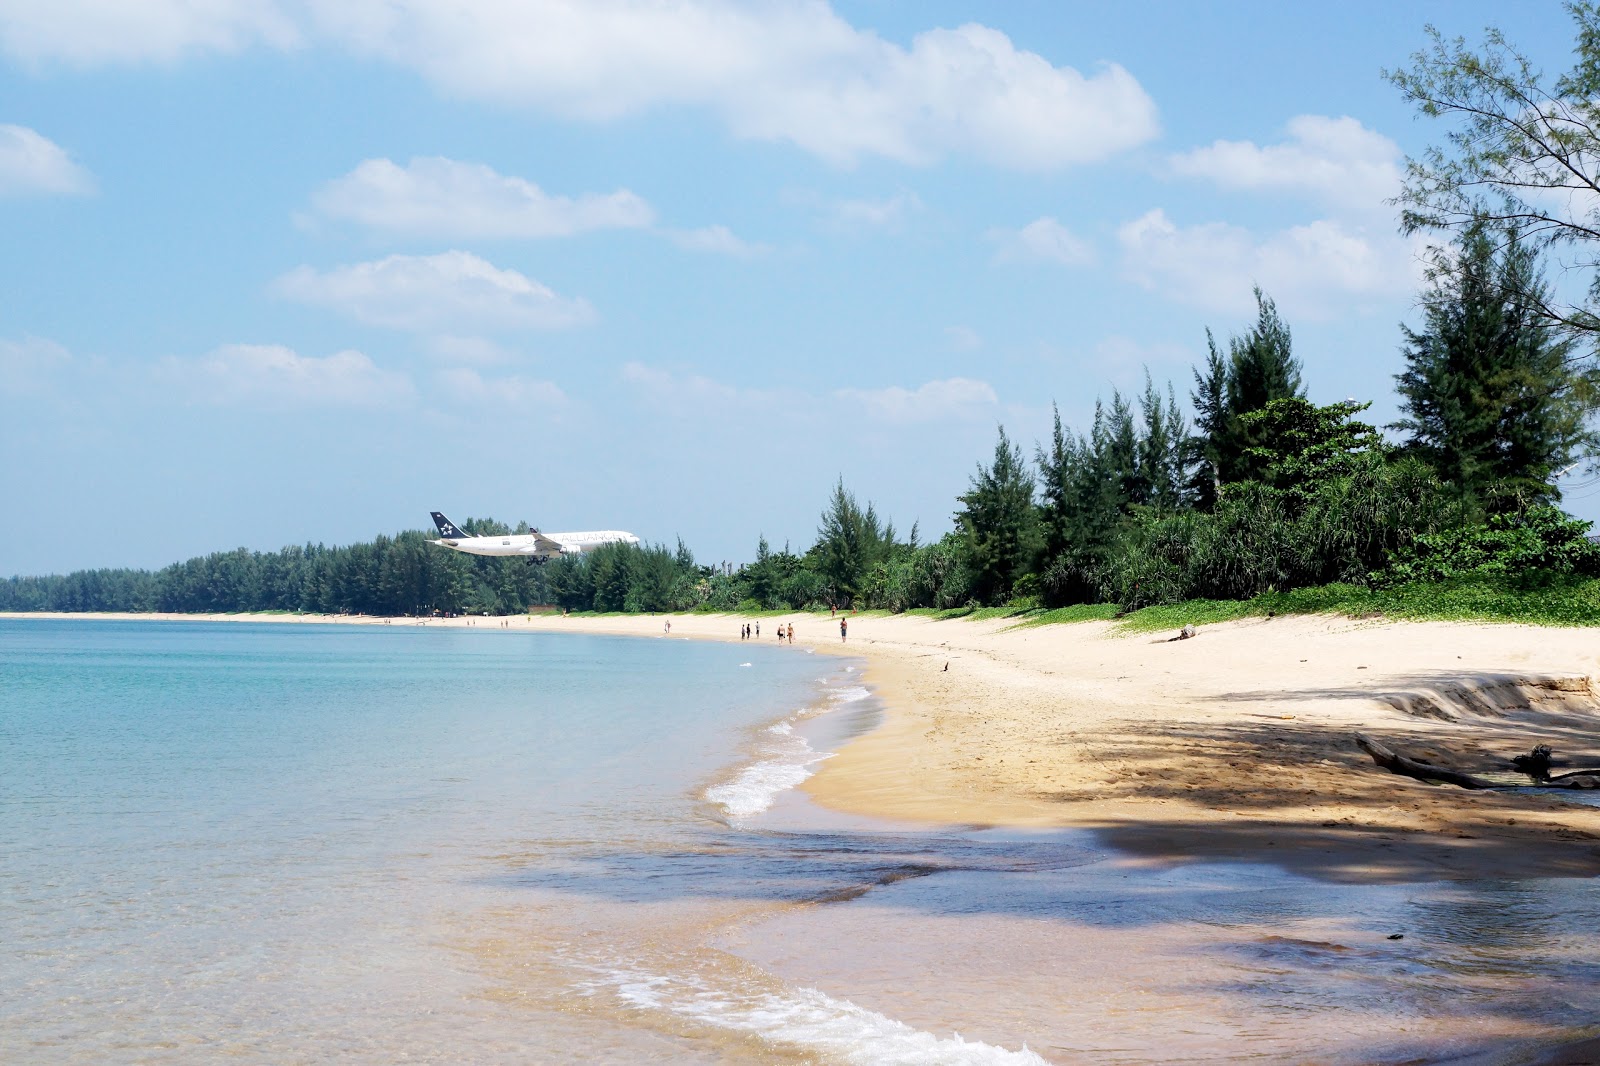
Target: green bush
column 1539, row 541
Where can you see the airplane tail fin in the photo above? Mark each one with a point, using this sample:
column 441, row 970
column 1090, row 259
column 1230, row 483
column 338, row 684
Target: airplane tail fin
column 448, row 529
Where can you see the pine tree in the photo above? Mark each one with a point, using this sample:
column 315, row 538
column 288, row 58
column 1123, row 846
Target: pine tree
column 999, row 524
column 1491, row 400
column 1203, row 452
column 1260, row 367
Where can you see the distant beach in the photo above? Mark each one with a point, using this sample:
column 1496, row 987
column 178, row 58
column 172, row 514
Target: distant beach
column 1233, row 750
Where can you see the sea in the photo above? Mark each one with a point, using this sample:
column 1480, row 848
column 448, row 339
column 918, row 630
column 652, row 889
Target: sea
column 280, row 843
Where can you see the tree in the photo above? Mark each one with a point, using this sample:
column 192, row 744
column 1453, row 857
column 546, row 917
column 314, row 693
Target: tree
column 1210, row 398
column 1491, row 400
column 999, row 524
column 1260, row 367
column 1298, row 446
column 850, row 541
column 1523, row 157
column 1163, row 468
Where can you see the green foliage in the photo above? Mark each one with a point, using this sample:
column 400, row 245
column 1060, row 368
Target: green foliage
column 1492, row 400
column 999, row 523
column 1532, row 545
column 1260, row 367
column 1522, row 153
column 1295, row 445
column 850, row 542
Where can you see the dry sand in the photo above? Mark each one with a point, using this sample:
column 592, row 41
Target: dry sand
column 1237, row 744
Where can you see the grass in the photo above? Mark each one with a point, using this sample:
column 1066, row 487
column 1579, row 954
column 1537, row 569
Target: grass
column 1540, row 599
column 1549, row 600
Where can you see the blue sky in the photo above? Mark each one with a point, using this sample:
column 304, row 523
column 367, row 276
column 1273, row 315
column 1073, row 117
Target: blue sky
column 278, row 272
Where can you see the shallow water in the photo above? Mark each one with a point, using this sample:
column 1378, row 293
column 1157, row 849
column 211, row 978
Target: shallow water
column 276, row 843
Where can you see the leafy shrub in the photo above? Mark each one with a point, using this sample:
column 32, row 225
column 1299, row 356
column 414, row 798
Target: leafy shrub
column 1539, row 540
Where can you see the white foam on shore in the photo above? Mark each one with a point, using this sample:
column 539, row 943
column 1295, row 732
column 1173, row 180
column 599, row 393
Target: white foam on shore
column 783, row 760
column 807, row 1019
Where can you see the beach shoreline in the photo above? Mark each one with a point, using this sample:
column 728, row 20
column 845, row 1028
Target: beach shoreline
column 1237, row 745
column 1234, row 747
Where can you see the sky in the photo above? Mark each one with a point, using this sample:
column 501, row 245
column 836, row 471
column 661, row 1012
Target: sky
column 287, row 271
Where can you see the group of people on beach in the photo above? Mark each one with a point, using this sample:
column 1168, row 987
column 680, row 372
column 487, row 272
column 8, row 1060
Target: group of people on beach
column 751, row 631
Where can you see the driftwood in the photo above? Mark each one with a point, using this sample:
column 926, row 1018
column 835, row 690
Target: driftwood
column 1422, row 771
column 1396, row 763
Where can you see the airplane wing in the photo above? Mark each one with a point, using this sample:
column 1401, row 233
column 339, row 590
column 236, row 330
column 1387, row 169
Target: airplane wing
column 548, row 544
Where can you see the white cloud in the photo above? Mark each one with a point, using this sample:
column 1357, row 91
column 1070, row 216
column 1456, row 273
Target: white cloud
column 437, row 197
column 1042, row 240
column 1338, row 161
column 788, row 70
column 466, row 385
column 245, row 373
column 952, row 398
column 94, row 32
column 963, row 338
column 1310, row 268
column 718, row 240
column 31, row 163
column 27, row 365
column 434, row 294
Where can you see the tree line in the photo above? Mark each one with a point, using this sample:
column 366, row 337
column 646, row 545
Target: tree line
column 1256, row 489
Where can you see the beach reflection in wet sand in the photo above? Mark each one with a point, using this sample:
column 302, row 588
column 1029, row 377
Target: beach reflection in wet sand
column 1039, row 941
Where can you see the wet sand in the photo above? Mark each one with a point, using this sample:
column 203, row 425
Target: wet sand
column 1183, row 761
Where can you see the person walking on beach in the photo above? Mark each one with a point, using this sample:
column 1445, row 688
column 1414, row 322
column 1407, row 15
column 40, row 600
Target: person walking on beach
column 758, row 630
column 791, row 632
column 844, row 629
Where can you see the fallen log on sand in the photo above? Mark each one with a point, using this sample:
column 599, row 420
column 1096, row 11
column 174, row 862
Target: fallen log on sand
column 1422, row 771
column 1396, row 763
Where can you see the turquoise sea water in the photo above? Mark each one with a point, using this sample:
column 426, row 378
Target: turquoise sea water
column 281, row 843
column 276, row 842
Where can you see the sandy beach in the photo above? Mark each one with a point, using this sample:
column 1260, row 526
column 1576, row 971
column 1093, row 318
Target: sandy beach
column 1237, row 744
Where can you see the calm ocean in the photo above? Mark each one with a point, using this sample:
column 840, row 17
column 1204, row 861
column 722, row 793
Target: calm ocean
column 284, row 843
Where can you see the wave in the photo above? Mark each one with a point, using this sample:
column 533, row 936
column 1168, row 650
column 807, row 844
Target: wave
column 804, row 1018
column 783, row 760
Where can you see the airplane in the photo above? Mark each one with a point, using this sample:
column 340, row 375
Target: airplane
column 537, row 546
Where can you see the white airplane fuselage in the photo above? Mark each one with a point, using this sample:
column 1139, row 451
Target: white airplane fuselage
column 538, row 545
column 535, row 545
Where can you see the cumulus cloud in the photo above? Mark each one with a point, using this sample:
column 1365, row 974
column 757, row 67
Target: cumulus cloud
column 435, row 293
column 437, row 197
column 1044, row 240
column 718, row 240
column 466, row 385
column 95, row 32
column 273, row 374
column 789, row 70
column 1334, row 160
column 952, row 398
column 34, row 164
column 1309, row 267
